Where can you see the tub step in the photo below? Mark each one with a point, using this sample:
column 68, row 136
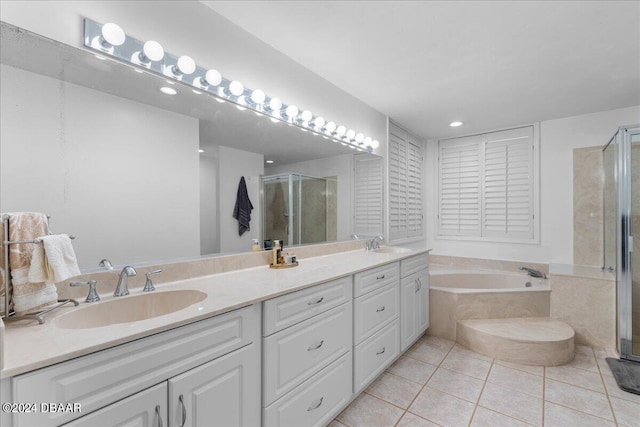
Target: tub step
column 538, row 341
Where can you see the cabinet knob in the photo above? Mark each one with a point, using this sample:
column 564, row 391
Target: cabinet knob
column 316, row 406
column 380, row 277
column 316, row 301
column 381, row 308
column 184, row 411
column 316, row 347
column 381, row 351
column 159, row 416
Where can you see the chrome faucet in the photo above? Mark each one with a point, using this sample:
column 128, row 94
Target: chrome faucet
column 534, row 273
column 374, row 243
column 122, row 288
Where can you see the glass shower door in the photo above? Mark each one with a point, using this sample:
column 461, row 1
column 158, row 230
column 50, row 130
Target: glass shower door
column 634, row 172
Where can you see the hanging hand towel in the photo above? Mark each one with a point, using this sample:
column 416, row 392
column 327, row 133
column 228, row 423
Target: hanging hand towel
column 54, row 260
column 243, row 208
column 28, row 296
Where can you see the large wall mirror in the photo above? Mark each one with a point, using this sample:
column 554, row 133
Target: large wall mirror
column 139, row 176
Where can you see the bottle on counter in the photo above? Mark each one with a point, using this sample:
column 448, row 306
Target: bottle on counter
column 277, row 251
column 256, row 245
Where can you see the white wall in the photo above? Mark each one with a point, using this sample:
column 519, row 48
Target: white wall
column 232, row 165
column 209, row 235
column 339, row 166
column 558, row 138
column 191, row 28
column 81, row 156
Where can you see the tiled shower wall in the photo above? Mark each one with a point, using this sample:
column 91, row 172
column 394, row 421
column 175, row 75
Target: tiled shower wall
column 587, row 206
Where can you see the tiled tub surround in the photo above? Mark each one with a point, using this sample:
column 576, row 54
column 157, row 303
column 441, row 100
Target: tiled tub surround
column 585, row 298
column 475, row 294
column 28, row 346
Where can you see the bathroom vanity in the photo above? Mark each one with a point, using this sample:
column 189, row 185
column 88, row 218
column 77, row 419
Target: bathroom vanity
column 265, row 347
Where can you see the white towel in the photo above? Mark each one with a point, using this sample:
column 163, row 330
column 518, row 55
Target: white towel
column 54, row 260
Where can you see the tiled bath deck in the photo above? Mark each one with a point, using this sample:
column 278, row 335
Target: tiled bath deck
column 440, row 383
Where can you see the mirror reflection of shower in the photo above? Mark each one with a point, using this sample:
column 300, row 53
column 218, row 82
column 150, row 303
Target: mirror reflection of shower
column 299, row 209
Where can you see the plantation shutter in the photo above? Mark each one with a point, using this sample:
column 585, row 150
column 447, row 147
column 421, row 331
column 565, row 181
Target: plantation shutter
column 397, row 183
column 368, row 194
column 459, row 185
column 414, row 190
column 508, row 184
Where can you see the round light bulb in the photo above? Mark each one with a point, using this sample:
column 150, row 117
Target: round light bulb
column 306, row 116
column 455, row 124
column 168, row 90
column 351, row 133
column 359, row 138
column 319, row 122
column 375, row 144
column 330, row 127
column 213, row 77
column 291, row 111
column 367, row 141
column 113, row 34
column 186, row 65
column 258, row 96
column 153, row 50
column 236, row 88
column 341, row 130
column 275, row 104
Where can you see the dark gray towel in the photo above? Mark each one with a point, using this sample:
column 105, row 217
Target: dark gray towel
column 243, row 208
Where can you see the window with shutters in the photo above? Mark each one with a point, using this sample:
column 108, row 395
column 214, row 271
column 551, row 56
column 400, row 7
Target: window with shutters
column 486, row 186
column 405, row 185
column 368, row 205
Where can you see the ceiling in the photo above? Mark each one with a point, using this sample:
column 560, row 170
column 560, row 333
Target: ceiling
column 489, row 64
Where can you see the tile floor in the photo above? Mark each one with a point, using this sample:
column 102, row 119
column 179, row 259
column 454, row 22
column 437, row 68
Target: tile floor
column 440, row 383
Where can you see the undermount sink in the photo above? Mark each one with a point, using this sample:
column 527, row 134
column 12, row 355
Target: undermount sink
column 391, row 250
column 129, row 309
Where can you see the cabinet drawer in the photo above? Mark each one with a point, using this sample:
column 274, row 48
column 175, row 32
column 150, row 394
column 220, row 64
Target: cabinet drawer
column 373, row 310
column 375, row 278
column 414, row 264
column 145, row 409
column 295, row 307
column 316, row 401
column 374, row 355
column 104, row 377
column 295, row 354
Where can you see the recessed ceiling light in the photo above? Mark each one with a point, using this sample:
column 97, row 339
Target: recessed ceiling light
column 269, row 161
column 168, row 90
column 455, row 124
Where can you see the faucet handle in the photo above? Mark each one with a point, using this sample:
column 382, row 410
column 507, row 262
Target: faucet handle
column 106, row 264
column 148, row 286
column 93, row 295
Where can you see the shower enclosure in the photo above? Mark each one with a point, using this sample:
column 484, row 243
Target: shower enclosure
column 299, row 209
column 621, row 161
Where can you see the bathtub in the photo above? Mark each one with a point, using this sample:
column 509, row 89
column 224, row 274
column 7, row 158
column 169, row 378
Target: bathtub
column 474, row 294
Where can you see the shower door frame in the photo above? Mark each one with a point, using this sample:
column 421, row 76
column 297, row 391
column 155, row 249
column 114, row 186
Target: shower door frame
column 624, row 265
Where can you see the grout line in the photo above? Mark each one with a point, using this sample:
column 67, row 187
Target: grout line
column 475, row 408
column 606, row 392
column 544, row 391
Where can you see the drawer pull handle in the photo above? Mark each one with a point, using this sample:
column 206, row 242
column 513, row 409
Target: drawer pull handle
column 316, row 347
column 316, row 406
column 380, row 277
column 316, row 302
column 159, row 416
column 381, row 351
column 184, row 411
column 381, row 308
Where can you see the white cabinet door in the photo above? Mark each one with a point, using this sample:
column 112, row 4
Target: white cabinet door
column 224, row 392
column 147, row 408
column 409, row 293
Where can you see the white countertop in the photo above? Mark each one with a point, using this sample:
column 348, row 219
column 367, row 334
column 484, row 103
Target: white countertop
column 28, row 346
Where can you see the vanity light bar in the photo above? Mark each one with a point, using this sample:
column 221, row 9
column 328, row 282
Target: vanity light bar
column 109, row 39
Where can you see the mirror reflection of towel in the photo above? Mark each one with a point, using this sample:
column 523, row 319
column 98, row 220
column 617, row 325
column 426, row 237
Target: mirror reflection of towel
column 243, row 208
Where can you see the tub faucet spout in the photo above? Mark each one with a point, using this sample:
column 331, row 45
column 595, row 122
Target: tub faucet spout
column 534, row 273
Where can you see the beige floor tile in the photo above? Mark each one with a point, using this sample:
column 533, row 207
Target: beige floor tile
column 442, row 408
column 613, row 390
column 464, row 351
column 426, row 352
column 582, row 361
column 627, row 412
column 536, row 370
column 467, row 365
column 578, row 398
column 512, row 403
column 459, row 385
column 410, row 420
column 487, row 418
column 441, row 343
column 605, row 370
column 556, row 415
column 517, row 380
column 600, row 352
column 584, row 349
column 336, row 423
column 412, row 369
column 574, row 376
column 369, row 411
column 394, row 389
